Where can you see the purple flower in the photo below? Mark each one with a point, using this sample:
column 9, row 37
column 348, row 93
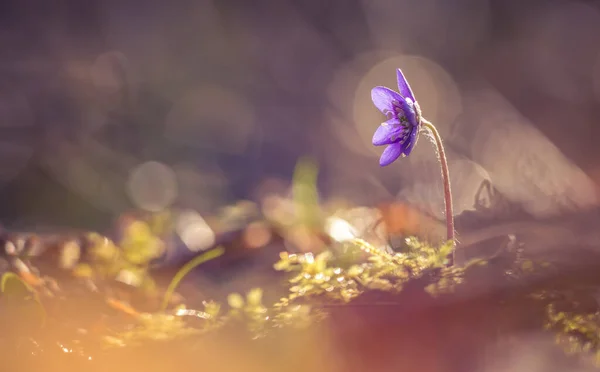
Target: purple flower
column 401, row 131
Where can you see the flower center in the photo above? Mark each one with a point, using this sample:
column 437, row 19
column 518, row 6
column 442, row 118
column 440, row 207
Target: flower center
column 402, row 136
column 401, row 115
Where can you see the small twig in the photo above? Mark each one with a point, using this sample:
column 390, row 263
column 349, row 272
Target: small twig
column 351, row 304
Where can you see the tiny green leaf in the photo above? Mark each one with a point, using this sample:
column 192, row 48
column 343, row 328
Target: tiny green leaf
column 235, row 301
column 12, row 285
column 254, row 297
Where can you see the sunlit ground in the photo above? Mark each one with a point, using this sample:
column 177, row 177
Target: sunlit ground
column 298, row 284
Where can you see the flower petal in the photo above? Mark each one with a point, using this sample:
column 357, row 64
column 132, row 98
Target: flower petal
column 403, row 86
column 388, row 132
column 382, row 99
column 411, row 142
column 391, row 153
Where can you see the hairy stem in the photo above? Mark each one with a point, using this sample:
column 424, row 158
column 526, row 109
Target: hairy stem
column 446, row 179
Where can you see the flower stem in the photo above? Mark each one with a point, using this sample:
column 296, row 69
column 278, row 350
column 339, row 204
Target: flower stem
column 446, row 179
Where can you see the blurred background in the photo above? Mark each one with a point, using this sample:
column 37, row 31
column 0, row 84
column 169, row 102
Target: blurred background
column 111, row 105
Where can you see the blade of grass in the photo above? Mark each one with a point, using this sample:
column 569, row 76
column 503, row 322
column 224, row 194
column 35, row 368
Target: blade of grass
column 207, row 256
column 305, row 194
